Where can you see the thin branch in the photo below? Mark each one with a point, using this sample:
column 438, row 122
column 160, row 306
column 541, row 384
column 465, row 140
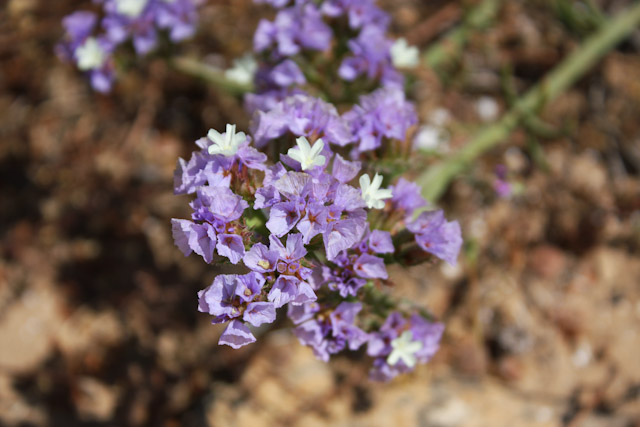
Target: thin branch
column 211, row 75
column 436, row 180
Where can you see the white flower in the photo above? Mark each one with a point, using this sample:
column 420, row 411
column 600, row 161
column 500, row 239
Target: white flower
column 90, row 55
column 308, row 156
column 428, row 137
column 404, row 348
column 227, row 143
column 130, row 8
column 487, row 108
column 403, row 55
column 243, row 70
column 372, row 194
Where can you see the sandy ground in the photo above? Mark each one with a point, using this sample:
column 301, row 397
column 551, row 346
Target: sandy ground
column 98, row 324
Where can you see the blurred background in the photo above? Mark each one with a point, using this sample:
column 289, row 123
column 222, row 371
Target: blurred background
column 98, row 320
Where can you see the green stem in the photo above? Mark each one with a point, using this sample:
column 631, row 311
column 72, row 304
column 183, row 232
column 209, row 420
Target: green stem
column 435, row 181
column 211, row 75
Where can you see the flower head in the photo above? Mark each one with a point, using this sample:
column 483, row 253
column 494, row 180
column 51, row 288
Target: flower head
column 227, row 143
column 372, row 194
column 307, row 155
column 405, row 349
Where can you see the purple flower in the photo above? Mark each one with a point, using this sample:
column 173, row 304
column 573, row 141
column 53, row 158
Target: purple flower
column 287, row 73
column 301, row 115
column 282, row 218
column 314, row 222
column 343, row 170
column 407, row 197
column 310, row 334
column 380, row 242
column 295, row 28
column 218, row 298
column 231, row 297
column 342, row 323
column 343, row 235
column 383, row 114
column 179, row 17
column 434, row 234
column 236, row 335
column 192, row 237
column 261, row 259
column 220, row 203
column 258, row 313
column 284, row 290
column 302, row 312
column 359, row 12
column 293, row 251
column 371, row 57
column 329, row 336
column 230, row 246
column 401, row 343
column 370, row 267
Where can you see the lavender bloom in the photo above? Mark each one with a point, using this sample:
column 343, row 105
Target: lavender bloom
column 192, row 237
column 380, row 242
column 119, row 26
column 407, row 197
column 283, row 218
column 359, row 12
column 236, row 335
column 218, row 205
column 371, row 55
column 138, row 20
column 213, row 169
column 500, row 185
column 434, row 234
column 330, row 336
column 370, row 267
column 179, row 17
column 91, row 54
column 344, row 170
column 294, row 249
column 301, row 115
column 295, row 28
column 231, row 297
column 287, row 73
column 261, row 259
column 402, row 343
column 230, row 246
column 383, row 114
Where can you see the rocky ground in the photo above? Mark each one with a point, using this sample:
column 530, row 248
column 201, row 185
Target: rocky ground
column 98, row 324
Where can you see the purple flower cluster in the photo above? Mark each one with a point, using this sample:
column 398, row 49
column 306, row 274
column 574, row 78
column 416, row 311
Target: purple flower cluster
column 400, row 343
column 300, row 46
column 383, row 115
column 302, row 232
column 122, row 20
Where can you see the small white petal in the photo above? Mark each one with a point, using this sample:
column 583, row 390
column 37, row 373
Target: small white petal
column 403, row 55
column 90, row 55
column 243, row 70
column 372, row 194
column 130, row 8
column 226, row 144
column 404, row 348
column 307, row 156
